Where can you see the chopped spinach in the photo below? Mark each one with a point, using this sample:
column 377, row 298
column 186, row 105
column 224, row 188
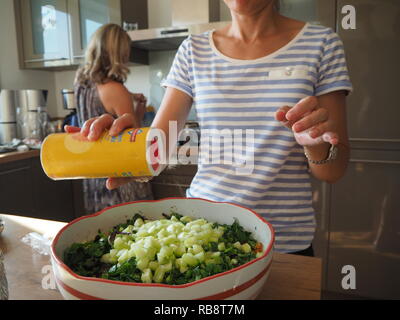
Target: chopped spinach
column 85, row 258
column 127, row 272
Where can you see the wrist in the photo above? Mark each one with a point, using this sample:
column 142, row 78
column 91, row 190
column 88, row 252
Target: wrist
column 317, row 153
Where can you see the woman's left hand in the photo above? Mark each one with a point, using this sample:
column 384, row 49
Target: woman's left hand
column 140, row 105
column 139, row 98
column 309, row 122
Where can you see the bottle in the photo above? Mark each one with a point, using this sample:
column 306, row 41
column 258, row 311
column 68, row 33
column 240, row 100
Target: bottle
column 133, row 153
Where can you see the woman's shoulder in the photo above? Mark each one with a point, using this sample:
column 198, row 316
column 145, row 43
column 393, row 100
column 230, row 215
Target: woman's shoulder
column 195, row 41
column 112, row 86
column 112, row 90
column 317, row 29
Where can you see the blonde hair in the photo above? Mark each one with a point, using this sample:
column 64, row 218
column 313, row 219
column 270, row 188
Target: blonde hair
column 106, row 56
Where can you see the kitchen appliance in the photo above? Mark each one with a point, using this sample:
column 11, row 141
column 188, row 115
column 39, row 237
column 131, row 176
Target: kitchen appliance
column 30, row 99
column 70, row 103
column 30, row 107
column 188, row 17
column 68, row 98
column 8, row 120
column 243, row 282
column 8, row 132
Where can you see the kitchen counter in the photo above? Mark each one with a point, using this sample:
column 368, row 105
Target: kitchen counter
column 16, row 156
column 292, row 276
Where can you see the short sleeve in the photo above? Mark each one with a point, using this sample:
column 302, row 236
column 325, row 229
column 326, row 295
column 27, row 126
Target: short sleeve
column 332, row 72
column 179, row 76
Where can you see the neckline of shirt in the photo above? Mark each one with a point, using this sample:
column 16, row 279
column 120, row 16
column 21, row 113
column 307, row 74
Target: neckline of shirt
column 267, row 57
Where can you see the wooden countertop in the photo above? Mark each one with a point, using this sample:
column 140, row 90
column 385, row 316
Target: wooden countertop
column 292, row 276
column 15, row 156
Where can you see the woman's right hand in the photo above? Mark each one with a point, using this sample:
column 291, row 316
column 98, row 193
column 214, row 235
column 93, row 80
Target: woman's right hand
column 93, row 128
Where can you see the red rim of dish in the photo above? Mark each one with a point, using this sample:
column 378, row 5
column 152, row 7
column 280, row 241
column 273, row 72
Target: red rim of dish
column 158, row 285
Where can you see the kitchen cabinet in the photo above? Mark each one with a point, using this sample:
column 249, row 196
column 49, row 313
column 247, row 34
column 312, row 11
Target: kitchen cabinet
column 43, row 29
column 25, row 189
column 86, row 16
column 54, row 200
column 173, row 181
column 362, row 223
column 365, row 233
column 55, row 33
column 16, row 185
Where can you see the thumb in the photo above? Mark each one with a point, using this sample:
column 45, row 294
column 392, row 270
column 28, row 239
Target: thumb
column 280, row 116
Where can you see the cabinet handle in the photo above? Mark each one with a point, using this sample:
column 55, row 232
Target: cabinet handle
column 375, row 161
column 164, row 32
column 374, row 140
column 45, row 60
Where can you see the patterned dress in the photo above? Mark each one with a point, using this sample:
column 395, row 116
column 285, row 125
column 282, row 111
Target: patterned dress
column 96, row 195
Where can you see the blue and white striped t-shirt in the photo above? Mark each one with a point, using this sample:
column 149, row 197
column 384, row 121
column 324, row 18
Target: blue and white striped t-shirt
column 245, row 94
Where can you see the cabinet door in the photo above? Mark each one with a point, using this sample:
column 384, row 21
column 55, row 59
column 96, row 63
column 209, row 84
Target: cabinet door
column 365, row 227
column 86, row 17
column 53, row 200
column 136, row 13
column 16, row 188
column 45, row 32
column 314, row 11
column 373, row 51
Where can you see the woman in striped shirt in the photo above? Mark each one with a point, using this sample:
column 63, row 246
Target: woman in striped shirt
column 284, row 79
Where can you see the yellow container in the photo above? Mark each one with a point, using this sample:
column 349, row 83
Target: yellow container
column 133, row 153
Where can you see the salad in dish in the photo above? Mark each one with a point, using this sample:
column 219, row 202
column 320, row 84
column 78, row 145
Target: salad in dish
column 174, row 250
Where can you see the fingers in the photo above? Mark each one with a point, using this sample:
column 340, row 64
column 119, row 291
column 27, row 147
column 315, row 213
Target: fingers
column 322, row 130
column 125, row 121
column 139, row 97
column 305, row 106
column 94, row 128
column 280, row 115
column 71, row 129
column 86, row 126
column 99, row 125
column 310, row 124
column 331, row 137
column 114, row 183
column 311, row 120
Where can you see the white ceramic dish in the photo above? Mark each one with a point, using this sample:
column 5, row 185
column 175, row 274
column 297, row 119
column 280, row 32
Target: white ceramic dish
column 243, row 282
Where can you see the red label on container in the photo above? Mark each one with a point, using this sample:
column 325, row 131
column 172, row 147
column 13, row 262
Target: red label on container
column 155, row 156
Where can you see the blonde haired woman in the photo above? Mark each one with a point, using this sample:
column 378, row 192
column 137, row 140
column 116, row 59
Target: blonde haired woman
column 100, row 90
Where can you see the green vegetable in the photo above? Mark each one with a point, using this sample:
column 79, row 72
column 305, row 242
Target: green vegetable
column 175, row 250
column 127, row 272
column 85, row 258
